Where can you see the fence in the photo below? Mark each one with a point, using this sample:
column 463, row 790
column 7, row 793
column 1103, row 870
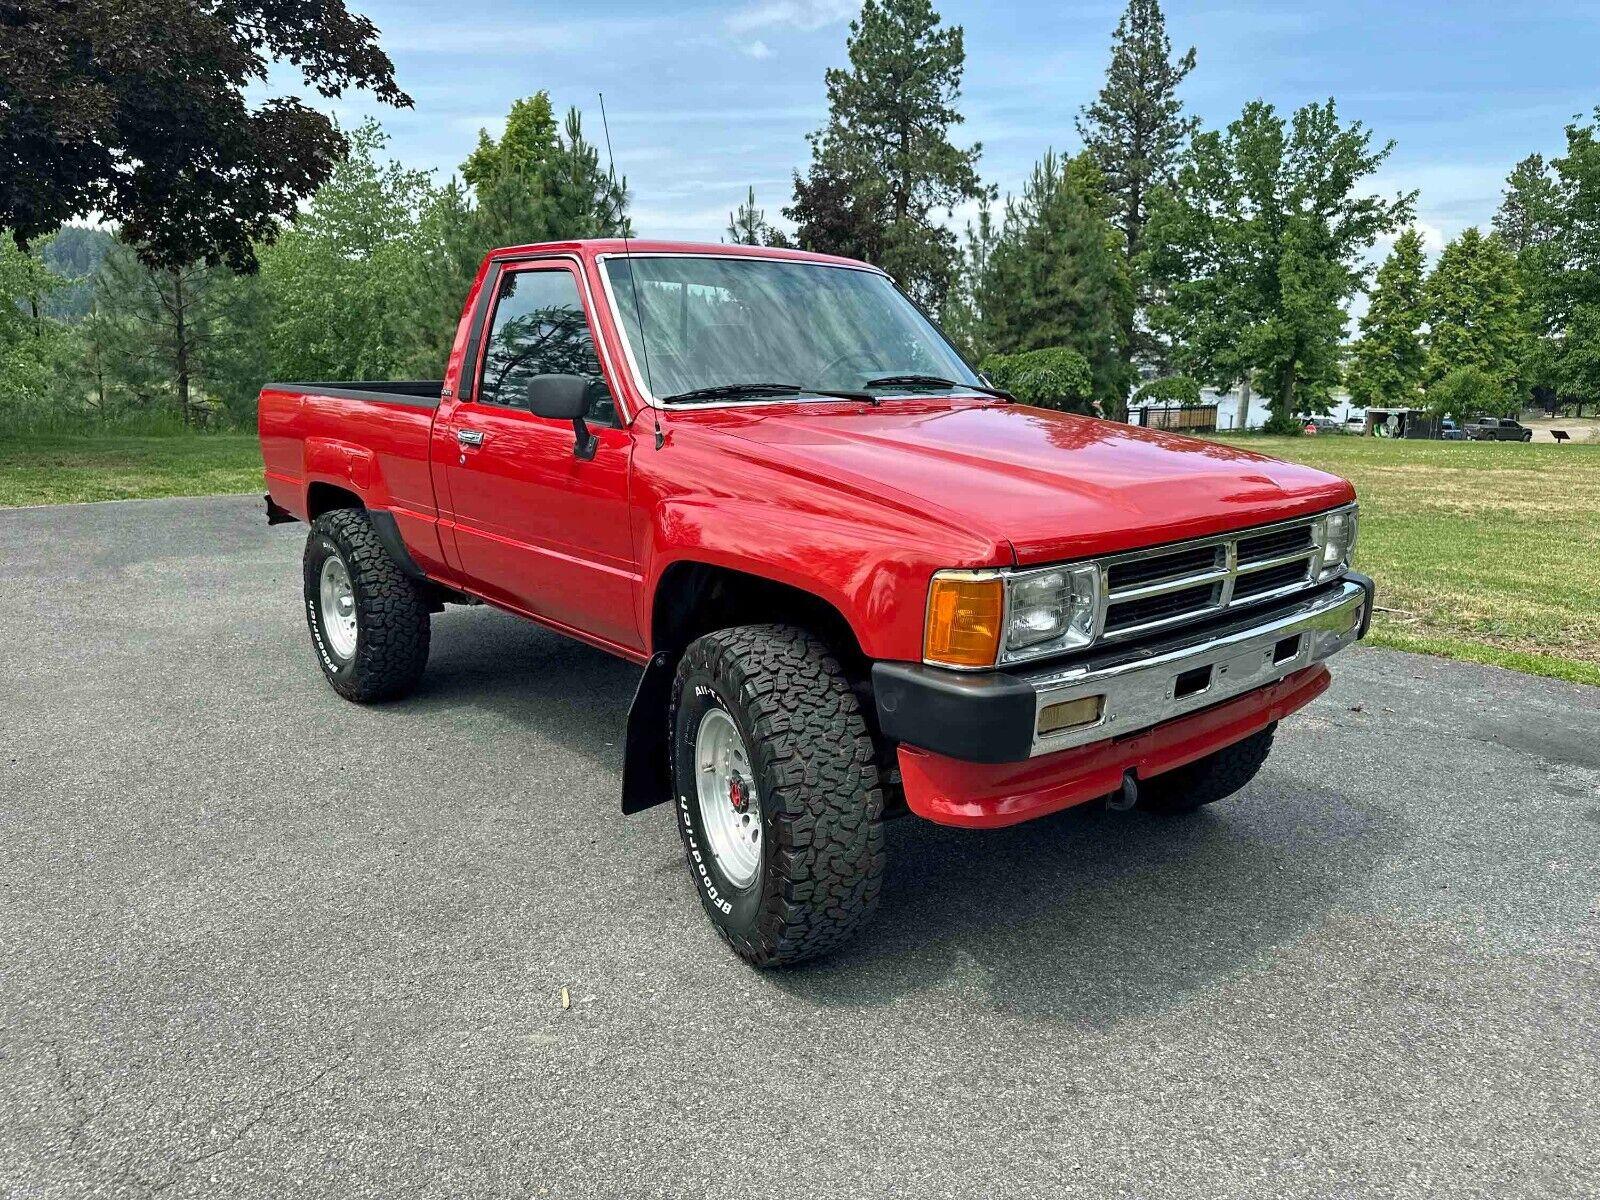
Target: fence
column 1191, row 418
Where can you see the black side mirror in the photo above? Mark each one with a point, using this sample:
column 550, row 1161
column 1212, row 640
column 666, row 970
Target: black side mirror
column 564, row 398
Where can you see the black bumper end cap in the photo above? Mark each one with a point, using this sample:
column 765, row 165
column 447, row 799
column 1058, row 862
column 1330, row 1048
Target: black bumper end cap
column 984, row 717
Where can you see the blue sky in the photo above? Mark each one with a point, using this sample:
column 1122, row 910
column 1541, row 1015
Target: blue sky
column 707, row 100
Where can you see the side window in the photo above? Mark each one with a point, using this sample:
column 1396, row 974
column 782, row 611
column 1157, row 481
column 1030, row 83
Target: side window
column 539, row 329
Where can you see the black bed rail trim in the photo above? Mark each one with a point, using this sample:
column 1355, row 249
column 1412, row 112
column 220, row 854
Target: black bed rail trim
column 422, row 393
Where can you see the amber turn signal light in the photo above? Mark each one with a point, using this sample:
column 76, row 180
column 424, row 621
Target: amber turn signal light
column 964, row 619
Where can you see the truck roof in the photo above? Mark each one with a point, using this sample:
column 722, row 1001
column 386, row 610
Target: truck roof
column 590, row 248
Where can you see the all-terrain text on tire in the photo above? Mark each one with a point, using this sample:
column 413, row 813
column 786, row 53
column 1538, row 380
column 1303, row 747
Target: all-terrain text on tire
column 369, row 622
column 777, row 791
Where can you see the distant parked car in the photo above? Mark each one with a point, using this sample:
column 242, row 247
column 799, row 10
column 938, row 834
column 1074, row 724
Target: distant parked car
column 1498, row 429
column 1316, row 425
column 1451, row 432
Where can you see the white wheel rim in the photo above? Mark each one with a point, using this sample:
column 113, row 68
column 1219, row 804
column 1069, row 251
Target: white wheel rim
column 730, row 806
column 338, row 604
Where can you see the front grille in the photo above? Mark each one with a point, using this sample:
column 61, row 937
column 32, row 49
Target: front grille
column 1131, row 613
column 1275, row 544
column 1154, row 589
column 1161, row 567
column 1259, row 583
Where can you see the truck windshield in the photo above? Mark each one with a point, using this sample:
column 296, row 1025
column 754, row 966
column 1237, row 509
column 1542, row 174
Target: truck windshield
column 723, row 322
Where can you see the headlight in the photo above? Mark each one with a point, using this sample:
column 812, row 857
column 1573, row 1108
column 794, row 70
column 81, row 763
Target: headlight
column 984, row 618
column 1054, row 608
column 1338, row 542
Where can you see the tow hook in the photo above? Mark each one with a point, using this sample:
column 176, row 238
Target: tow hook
column 1127, row 795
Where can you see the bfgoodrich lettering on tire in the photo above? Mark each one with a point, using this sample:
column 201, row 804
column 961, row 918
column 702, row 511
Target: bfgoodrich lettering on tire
column 369, row 624
column 777, row 792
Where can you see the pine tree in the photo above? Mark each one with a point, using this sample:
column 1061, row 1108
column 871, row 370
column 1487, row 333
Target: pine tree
column 1475, row 312
column 1530, row 207
column 1136, row 129
column 1389, row 358
column 884, row 164
column 747, row 225
column 1055, row 277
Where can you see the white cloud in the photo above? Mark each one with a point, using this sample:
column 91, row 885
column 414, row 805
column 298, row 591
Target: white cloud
column 804, row 15
column 758, row 49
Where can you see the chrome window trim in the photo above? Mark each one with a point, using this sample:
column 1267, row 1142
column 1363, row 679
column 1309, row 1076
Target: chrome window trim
column 495, row 272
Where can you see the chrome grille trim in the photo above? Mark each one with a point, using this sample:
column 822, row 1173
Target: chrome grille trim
column 1227, row 574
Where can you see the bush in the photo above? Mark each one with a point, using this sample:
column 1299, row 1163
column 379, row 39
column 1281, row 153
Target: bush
column 1171, row 389
column 1281, row 424
column 1468, row 392
column 1055, row 377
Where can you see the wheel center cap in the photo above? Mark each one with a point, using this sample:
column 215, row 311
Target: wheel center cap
column 739, row 794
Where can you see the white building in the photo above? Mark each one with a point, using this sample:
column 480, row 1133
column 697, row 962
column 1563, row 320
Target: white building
column 1231, row 414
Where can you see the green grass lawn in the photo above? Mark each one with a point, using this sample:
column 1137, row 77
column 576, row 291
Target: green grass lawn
column 1488, row 551
column 1482, row 551
column 66, row 468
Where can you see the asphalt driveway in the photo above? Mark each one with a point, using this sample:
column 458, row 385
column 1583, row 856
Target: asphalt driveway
column 255, row 941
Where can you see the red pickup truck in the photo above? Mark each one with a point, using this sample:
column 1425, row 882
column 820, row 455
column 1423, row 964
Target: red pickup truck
column 860, row 580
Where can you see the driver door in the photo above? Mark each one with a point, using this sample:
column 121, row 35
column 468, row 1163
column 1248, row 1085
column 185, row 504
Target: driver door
column 537, row 528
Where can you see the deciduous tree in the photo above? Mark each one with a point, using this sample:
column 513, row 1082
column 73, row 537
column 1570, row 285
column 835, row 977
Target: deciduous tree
column 137, row 110
column 1259, row 242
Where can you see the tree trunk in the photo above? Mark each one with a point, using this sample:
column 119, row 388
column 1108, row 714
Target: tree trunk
column 1244, row 403
column 180, row 334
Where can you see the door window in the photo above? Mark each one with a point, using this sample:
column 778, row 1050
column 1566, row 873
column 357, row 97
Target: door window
column 539, row 328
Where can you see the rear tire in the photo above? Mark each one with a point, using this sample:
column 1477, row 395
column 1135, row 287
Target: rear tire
column 1205, row 781
column 369, row 621
column 803, row 760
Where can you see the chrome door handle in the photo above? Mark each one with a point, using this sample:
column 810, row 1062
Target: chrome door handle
column 469, row 437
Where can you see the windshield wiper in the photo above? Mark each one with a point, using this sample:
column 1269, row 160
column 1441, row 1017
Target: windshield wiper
column 935, row 381
column 726, row 391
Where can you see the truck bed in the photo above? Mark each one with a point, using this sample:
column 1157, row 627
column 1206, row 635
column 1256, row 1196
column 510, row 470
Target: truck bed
column 368, row 437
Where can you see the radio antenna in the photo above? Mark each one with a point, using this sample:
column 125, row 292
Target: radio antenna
column 633, row 280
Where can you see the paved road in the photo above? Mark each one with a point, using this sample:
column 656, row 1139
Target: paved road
column 259, row 942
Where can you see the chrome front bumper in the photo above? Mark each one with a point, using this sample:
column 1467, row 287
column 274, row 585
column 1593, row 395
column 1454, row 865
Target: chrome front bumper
column 1178, row 679
column 995, row 716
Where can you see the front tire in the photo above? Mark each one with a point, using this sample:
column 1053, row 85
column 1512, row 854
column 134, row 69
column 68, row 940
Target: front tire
column 1205, row 781
column 778, row 793
column 369, row 621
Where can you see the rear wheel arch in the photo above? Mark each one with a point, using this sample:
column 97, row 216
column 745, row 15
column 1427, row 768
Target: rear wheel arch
column 325, row 497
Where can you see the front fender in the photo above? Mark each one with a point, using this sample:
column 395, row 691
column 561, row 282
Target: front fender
column 875, row 576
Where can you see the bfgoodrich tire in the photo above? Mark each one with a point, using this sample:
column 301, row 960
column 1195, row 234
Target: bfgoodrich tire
column 369, row 621
column 777, row 791
column 1205, row 781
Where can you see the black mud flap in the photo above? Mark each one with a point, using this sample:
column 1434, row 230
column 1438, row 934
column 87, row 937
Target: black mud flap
column 276, row 513
column 645, row 778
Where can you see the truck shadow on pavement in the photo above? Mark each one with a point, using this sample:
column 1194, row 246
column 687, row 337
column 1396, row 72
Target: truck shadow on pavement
column 1087, row 916
column 1093, row 916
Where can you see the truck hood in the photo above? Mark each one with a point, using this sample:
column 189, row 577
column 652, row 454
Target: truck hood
column 1055, row 485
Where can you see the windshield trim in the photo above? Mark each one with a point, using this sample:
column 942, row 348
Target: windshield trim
column 637, row 376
